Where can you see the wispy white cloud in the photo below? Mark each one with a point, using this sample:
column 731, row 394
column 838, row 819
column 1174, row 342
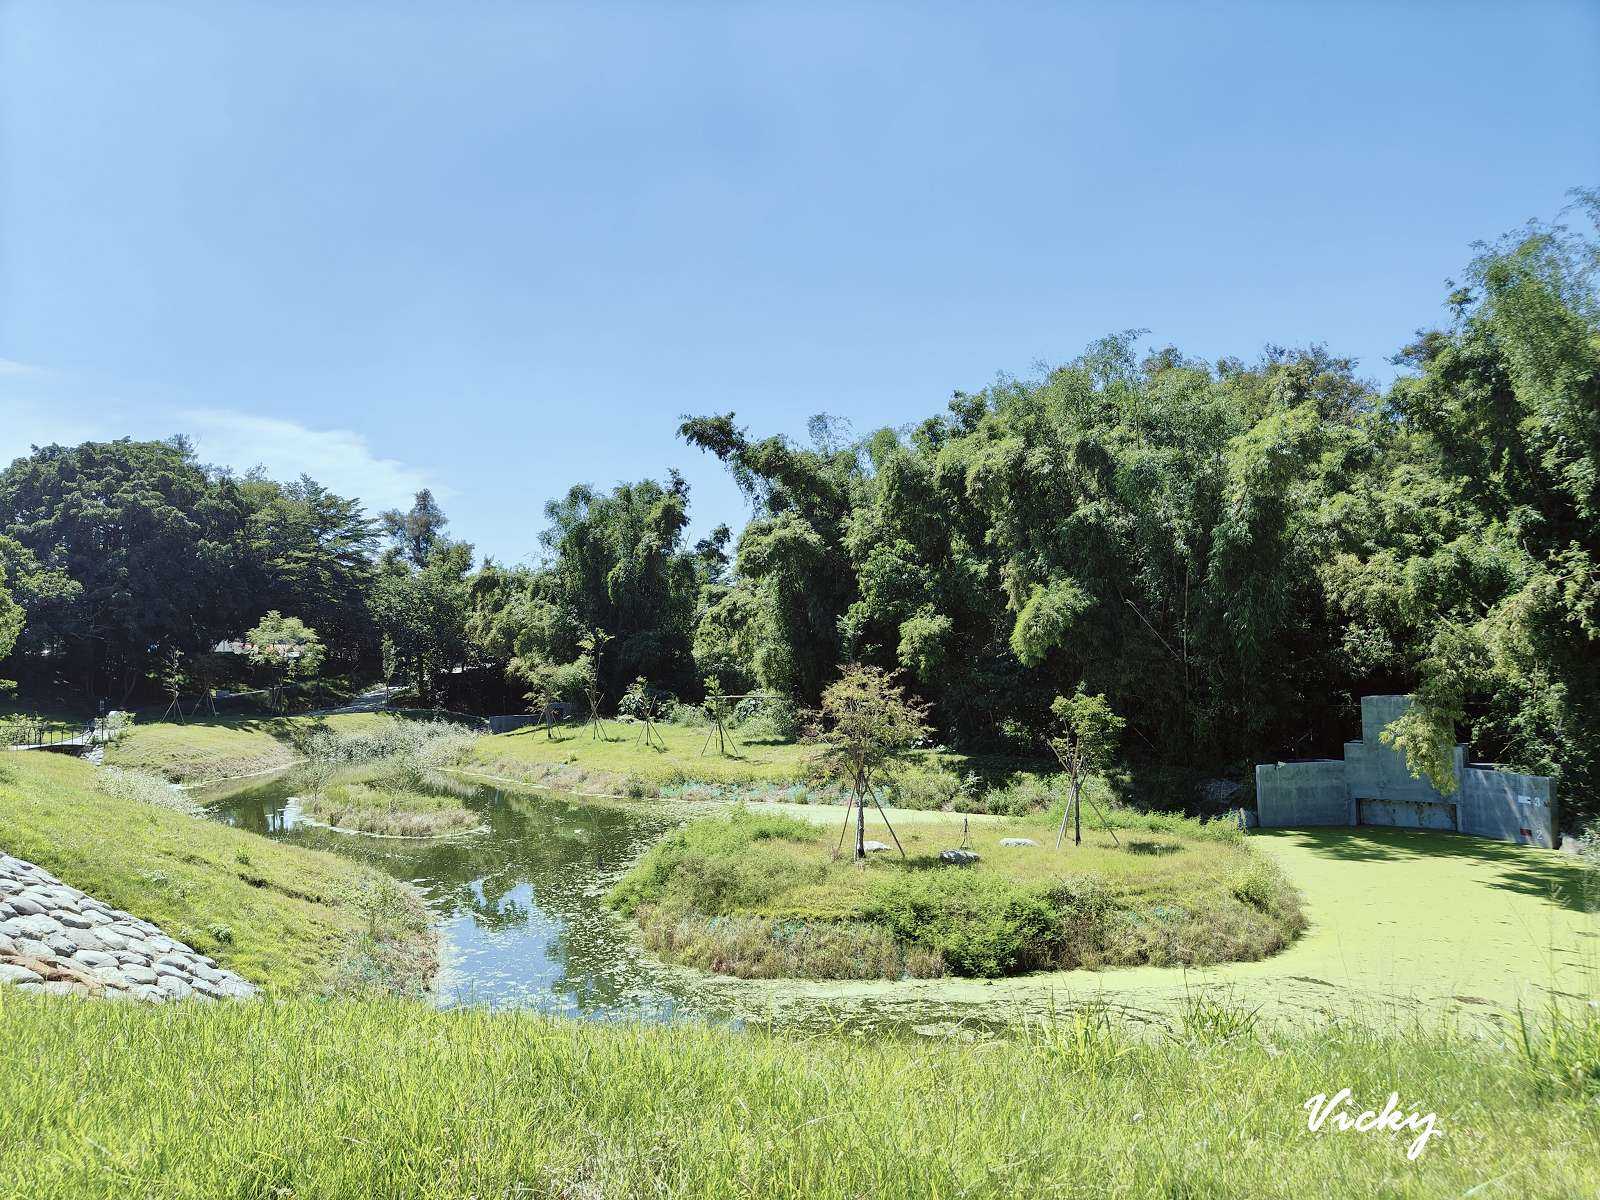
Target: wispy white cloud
column 339, row 458
column 11, row 367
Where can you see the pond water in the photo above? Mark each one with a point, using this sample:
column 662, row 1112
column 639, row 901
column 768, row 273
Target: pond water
column 520, row 908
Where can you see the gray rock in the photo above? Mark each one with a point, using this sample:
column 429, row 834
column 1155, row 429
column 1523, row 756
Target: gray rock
column 38, row 926
column 62, row 944
column 960, row 858
column 109, row 940
column 137, row 974
column 1018, row 842
column 34, row 948
column 153, row 994
column 132, row 958
column 25, row 906
column 96, row 917
column 64, row 987
column 72, row 920
column 7, row 946
column 168, row 971
column 95, row 958
column 209, row 974
column 872, row 847
column 17, row 973
column 236, row 989
column 174, row 987
column 30, row 987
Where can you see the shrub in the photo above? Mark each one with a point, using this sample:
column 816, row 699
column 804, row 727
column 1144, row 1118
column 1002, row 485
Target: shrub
column 777, row 948
column 716, row 866
column 978, row 924
column 929, row 788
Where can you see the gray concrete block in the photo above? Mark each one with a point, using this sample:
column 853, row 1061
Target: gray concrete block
column 1302, row 793
column 1509, row 806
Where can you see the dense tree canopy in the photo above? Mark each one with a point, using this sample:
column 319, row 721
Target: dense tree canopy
column 1229, row 552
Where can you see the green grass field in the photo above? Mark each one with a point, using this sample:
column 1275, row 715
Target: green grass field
column 575, row 752
column 287, row 918
column 213, row 748
column 398, row 1100
column 574, row 758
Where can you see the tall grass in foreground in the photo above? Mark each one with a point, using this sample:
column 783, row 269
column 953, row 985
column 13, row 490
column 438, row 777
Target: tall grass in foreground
column 399, row 1100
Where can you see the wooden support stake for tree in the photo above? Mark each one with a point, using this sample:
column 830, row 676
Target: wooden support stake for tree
column 849, row 807
column 871, row 791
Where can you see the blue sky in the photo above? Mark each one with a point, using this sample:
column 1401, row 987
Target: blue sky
column 499, row 249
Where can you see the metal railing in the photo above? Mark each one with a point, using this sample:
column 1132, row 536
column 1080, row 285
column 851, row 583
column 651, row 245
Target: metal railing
column 22, row 734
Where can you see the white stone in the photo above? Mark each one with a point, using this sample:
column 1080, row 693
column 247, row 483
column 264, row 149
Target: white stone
column 17, row 973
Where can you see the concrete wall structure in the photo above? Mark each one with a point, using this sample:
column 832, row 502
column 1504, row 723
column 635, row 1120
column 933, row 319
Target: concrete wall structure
column 1302, row 793
column 1508, row 806
column 1372, row 785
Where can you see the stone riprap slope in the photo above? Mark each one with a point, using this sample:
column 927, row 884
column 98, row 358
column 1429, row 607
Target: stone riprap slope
column 55, row 938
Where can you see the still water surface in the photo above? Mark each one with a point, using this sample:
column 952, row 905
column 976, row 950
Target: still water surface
column 523, row 922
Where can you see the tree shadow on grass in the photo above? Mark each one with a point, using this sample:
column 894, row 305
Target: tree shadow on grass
column 1525, row 869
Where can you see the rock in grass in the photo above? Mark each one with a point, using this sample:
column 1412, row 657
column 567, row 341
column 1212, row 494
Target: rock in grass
column 959, row 858
column 15, row 973
column 1018, row 842
column 872, row 847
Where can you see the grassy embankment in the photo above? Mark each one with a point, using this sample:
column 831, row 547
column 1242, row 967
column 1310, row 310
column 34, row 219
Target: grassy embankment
column 224, row 747
column 293, row 920
column 391, row 1099
column 762, row 896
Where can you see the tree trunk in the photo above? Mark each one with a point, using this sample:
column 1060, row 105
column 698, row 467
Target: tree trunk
column 861, row 828
column 1077, row 814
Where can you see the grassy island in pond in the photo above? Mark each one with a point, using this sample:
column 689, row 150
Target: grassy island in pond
column 763, row 896
column 387, row 779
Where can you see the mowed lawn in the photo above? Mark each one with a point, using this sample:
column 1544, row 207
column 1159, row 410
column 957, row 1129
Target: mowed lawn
column 279, row 915
column 575, row 751
column 572, row 754
column 202, row 750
